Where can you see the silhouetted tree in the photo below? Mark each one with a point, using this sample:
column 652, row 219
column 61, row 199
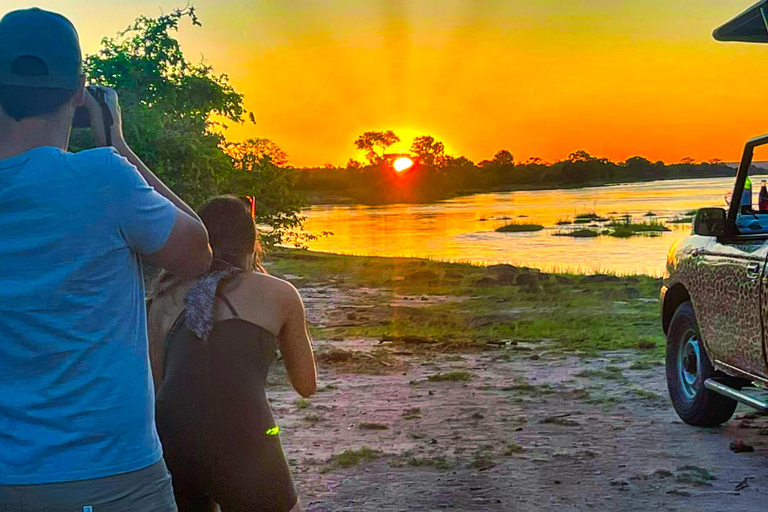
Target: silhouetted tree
column 370, row 140
column 257, row 149
column 354, row 164
column 503, row 158
column 429, row 151
column 580, row 156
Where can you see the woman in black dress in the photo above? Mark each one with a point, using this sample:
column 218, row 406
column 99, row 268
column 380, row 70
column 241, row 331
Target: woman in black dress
column 212, row 341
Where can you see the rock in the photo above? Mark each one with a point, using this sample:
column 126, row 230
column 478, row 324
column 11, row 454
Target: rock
column 740, row 446
column 618, row 482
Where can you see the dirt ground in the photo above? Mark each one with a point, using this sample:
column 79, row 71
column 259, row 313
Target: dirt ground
column 398, row 427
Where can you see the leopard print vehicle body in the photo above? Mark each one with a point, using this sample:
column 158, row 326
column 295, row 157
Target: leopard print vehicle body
column 729, row 305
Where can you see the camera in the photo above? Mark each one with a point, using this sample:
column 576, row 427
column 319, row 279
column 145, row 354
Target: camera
column 82, row 117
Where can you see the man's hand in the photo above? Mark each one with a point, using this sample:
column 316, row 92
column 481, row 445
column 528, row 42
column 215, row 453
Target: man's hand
column 186, row 251
column 97, row 117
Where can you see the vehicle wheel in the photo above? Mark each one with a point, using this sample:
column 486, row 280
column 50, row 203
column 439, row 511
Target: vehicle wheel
column 688, row 366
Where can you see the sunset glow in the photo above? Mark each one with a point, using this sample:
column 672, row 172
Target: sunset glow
column 541, row 78
column 402, row 164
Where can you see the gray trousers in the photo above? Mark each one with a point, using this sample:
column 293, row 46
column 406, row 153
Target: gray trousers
column 145, row 490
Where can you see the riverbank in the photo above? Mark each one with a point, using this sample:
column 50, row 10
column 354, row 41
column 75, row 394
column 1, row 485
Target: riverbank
column 448, row 305
column 440, row 383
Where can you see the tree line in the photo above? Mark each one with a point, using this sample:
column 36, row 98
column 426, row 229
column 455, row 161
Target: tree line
column 438, row 175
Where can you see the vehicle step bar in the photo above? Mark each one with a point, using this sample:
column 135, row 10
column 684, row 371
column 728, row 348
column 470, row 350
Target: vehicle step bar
column 722, row 389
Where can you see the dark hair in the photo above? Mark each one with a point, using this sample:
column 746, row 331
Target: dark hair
column 231, row 229
column 23, row 102
column 232, row 234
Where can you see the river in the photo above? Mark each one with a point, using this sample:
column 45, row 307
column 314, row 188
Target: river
column 463, row 229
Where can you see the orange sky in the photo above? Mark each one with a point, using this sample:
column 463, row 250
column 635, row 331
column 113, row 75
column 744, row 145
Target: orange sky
column 538, row 77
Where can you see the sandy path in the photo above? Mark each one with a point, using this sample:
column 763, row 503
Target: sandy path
column 531, row 430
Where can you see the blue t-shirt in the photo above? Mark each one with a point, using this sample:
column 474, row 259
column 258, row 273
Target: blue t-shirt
column 76, row 395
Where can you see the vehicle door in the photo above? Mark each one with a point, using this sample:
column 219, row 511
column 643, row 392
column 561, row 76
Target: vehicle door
column 728, row 305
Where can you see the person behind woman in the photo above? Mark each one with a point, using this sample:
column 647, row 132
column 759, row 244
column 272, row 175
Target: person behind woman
column 212, row 340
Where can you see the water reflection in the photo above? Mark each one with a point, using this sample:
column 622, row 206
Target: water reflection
column 462, row 229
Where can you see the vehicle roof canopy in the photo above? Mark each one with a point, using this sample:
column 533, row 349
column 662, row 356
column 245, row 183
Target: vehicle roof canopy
column 751, row 26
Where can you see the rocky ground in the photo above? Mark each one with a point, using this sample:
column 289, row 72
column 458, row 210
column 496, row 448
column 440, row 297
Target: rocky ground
column 404, row 424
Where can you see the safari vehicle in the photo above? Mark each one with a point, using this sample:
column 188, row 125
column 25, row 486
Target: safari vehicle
column 714, row 300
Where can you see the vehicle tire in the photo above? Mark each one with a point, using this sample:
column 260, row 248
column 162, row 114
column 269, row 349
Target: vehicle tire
column 688, row 366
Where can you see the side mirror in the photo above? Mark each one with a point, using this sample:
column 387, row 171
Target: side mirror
column 710, row 222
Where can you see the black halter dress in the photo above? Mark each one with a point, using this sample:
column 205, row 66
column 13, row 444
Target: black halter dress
column 219, row 438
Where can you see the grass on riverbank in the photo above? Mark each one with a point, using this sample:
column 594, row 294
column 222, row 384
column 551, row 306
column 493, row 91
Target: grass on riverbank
column 627, row 229
column 579, row 233
column 588, row 217
column 519, row 227
column 480, row 305
column 618, row 229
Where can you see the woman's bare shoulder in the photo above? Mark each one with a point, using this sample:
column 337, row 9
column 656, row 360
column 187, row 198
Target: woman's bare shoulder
column 277, row 288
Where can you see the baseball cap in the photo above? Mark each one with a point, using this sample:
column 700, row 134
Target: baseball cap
column 39, row 49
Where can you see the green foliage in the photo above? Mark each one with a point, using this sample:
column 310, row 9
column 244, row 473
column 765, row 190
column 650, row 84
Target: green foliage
column 628, row 229
column 278, row 204
column 351, row 457
column 169, row 108
column 450, row 376
column 576, row 314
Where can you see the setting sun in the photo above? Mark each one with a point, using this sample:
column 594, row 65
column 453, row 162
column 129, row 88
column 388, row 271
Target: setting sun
column 402, row 164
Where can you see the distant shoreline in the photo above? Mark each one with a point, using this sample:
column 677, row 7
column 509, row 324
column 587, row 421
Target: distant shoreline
column 330, row 199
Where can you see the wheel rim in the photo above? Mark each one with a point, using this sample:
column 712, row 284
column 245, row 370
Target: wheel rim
column 689, row 366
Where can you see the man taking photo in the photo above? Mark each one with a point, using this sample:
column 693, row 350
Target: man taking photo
column 76, row 401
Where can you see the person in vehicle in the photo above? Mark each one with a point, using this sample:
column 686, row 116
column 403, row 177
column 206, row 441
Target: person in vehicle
column 77, row 408
column 212, row 341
